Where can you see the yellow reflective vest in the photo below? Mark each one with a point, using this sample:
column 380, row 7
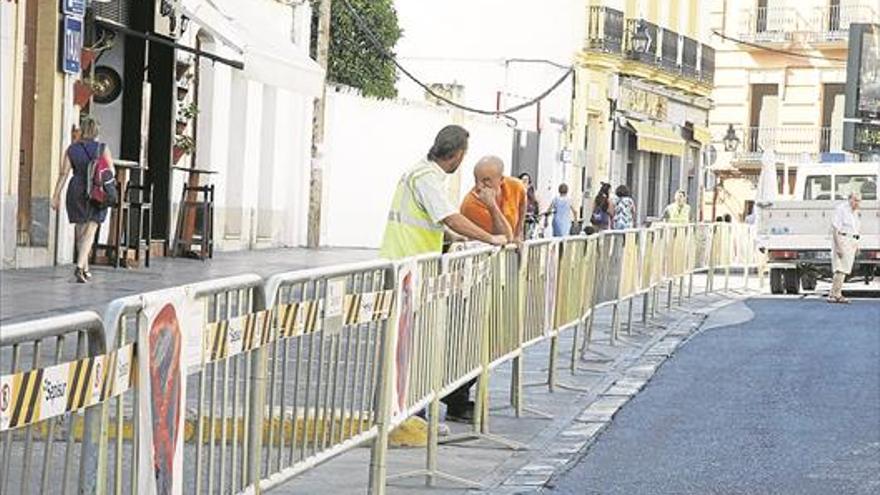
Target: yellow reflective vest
column 410, row 230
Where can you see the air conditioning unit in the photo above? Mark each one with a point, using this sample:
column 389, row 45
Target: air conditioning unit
column 113, row 11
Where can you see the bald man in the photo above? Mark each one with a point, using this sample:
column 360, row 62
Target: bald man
column 497, row 204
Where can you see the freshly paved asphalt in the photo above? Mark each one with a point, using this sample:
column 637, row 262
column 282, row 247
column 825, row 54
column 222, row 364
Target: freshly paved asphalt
column 788, row 403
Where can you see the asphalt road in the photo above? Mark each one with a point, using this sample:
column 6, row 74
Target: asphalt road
column 787, row 403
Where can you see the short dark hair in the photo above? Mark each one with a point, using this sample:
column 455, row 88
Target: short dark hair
column 622, row 191
column 449, row 140
column 563, row 188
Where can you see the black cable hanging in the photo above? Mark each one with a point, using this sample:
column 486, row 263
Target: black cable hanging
column 365, row 28
column 771, row 49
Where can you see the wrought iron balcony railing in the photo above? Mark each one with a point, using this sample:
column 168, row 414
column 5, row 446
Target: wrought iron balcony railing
column 770, row 24
column 648, row 43
column 707, row 64
column 831, row 23
column 604, row 29
column 689, row 60
column 793, row 142
column 670, row 43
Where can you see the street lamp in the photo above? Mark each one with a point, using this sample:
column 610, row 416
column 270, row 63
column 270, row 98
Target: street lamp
column 731, row 142
column 641, row 42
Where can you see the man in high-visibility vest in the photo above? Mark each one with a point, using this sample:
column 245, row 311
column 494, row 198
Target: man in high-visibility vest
column 420, row 214
column 421, row 210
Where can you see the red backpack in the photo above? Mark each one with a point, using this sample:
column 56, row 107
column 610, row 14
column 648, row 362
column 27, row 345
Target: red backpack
column 101, row 188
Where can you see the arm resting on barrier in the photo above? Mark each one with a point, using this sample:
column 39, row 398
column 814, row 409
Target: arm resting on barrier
column 459, row 224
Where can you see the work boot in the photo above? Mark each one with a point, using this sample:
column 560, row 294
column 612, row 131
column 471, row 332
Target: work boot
column 461, row 413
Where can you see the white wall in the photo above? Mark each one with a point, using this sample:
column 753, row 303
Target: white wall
column 257, row 137
column 369, row 143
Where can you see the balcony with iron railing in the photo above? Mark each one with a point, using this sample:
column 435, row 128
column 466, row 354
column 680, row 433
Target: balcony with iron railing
column 792, row 143
column 645, row 42
column 830, row 24
column 770, row 24
column 690, row 57
column 604, row 29
column 707, row 64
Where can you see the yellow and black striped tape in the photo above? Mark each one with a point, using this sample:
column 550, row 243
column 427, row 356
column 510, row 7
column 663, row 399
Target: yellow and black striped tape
column 44, row 393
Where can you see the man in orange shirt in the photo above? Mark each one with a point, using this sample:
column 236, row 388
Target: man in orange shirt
column 496, row 204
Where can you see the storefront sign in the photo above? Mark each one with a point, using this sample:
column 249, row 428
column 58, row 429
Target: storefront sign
column 73, row 7
column 643, row 102
column 72, row 47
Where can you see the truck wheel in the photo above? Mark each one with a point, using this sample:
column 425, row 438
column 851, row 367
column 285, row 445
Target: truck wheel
column 792, row 281
column 808, row 281
column 776, row 285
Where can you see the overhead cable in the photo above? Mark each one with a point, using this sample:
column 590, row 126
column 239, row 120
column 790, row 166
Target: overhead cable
column 365, row 28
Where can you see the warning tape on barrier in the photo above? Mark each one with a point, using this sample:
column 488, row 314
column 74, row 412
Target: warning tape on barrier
column 44, row 393
column 367, row 307
column 227, row 338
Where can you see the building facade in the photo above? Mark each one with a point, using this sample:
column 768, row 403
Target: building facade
column 222, row 86
column 644, row 77
column 781, row 74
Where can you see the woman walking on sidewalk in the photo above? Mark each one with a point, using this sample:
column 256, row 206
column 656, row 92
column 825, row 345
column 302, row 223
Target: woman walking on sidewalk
column 563, row 212
column 80, row 211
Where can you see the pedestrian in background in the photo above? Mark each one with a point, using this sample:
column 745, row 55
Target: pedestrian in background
column 533, row 208
column 845, row 228
column 603, row 210
column 81, row 212
column 563, row 212
column 679, row 211
column 496, row 204
column 624, row 209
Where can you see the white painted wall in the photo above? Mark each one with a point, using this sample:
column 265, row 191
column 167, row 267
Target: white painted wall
column 369, row 143
column 257, row 137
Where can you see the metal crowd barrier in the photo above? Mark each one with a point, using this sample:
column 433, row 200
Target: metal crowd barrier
column 41, row 419
column 307, row 365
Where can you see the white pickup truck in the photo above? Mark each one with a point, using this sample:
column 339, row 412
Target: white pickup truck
column 796, row 233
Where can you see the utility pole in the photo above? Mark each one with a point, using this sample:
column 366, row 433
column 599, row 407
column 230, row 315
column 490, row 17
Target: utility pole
column 316, row 175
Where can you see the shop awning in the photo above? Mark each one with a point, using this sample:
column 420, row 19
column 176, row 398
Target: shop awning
column 265, row 60
column 657, row 139
column 702, row 135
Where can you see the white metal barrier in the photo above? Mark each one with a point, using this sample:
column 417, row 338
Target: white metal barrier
column 285, row 374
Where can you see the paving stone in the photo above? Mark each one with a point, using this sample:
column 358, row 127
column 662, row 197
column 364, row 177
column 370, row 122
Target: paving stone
column 528, row 480
column 582, row 430
column 602, row 410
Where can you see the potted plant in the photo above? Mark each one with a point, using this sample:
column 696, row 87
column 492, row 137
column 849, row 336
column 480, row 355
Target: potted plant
column 183, row 145
column 184, row 116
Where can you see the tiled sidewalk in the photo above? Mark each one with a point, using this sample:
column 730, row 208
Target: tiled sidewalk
column 36, row 292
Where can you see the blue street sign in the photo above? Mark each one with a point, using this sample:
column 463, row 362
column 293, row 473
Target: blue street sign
column 73, row 42
column 73, row 7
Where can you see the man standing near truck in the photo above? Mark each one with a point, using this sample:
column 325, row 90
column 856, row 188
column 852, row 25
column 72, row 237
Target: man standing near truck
column 845, row 244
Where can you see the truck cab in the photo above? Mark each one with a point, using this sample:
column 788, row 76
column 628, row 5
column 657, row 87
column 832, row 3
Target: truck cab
column 796, row 232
